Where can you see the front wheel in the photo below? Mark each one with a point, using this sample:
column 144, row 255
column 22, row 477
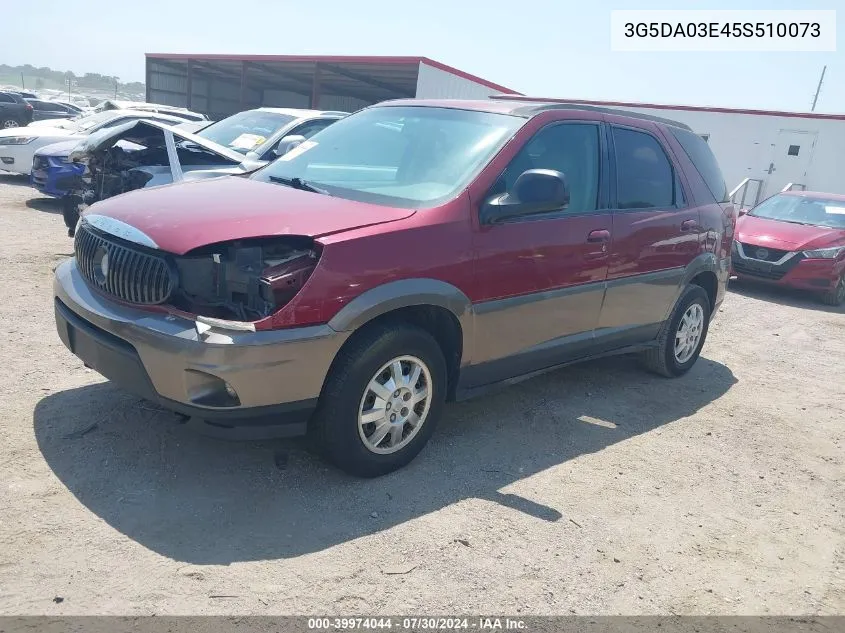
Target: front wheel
column 382, row 400
column 682, row 336
column 835, row 297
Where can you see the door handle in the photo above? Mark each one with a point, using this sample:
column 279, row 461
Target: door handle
column 599, row 235
column 689, row 225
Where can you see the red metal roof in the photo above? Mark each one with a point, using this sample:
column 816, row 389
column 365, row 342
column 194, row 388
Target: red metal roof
column 663, row 106
column 335, row 59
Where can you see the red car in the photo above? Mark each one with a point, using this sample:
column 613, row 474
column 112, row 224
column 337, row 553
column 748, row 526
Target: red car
column 413, row 253
column 795, row 239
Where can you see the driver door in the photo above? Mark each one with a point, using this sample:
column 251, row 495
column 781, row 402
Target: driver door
column 540, row 279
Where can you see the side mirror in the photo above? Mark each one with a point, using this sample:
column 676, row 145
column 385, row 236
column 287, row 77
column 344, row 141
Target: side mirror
column 743, row 212
column 535, row 191
column 288, row 143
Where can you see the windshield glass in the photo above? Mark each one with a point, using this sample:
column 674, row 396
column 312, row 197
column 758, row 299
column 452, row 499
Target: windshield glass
column 408, row 157
column 245, row 131
column 803, row 210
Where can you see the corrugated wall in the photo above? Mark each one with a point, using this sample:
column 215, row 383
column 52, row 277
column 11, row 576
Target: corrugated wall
column 342, row 103
column 433, row 83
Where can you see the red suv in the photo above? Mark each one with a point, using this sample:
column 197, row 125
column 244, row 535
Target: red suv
column 413, row 253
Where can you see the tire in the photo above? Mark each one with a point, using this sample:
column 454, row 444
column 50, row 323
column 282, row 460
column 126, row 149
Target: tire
column 835, row 297
column 335, row 431
column 662, row 359
column 8, row 123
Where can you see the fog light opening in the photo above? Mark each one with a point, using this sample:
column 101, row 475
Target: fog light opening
column 209, row 390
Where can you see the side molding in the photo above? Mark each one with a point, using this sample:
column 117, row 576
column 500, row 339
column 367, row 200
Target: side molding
column 406, row 293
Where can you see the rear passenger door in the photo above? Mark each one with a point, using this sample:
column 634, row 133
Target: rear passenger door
column 540, row 278
column 655, row 236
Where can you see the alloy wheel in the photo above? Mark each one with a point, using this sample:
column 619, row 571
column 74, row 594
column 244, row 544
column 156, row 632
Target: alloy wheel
column 688, row 334
column 395, row 405
column 10, row 123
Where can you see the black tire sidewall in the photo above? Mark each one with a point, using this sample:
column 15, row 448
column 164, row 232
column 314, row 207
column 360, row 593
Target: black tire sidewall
column 339, row 440
column 692, row 294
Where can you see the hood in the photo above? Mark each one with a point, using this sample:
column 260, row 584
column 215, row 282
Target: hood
column 61, row 149
column 179, row 218
column 144, row 133
column 786, row 235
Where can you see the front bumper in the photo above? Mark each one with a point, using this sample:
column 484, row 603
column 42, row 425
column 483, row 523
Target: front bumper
column 276, row 375
column 819, row 275
column 53, row 180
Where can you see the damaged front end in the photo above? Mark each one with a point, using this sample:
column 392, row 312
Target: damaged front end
column 137, row 155
column 232, row 285
column 245, row 280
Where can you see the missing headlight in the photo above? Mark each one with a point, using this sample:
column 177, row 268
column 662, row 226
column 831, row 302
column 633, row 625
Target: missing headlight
column 245, row 280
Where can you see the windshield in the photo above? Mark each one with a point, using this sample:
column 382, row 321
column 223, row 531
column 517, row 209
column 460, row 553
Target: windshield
column 803, row 210
column 408, row 157
column 245, row 131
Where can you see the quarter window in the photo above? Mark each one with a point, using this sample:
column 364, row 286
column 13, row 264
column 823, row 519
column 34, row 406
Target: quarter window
column 570, row 148
column 644, row 177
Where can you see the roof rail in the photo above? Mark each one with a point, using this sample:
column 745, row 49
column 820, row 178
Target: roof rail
column 539, row 105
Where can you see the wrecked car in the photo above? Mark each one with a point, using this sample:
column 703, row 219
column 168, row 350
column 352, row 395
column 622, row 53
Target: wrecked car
column 137, row 155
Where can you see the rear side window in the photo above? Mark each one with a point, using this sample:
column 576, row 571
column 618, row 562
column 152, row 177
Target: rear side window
column 702, row 157
column 6, row 99
column 644, row 176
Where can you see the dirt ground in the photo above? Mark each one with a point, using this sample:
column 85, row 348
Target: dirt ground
column 597, row 489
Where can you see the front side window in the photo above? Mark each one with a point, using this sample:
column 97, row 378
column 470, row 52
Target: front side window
column 644, row 177
column 405, row 156
column 307, row 130
column 802, row 210
column 570, row 148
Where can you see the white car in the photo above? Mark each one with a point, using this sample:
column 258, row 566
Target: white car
column 19, row 144
column 257, row 133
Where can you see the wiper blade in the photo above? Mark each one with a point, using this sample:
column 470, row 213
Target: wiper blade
column 298, row 183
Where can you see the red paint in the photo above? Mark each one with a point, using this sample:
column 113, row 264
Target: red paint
column 785, row 235
column 180, row 218
column 336, row 59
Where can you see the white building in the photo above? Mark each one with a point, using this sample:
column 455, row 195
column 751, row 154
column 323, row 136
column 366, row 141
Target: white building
column 771, row 149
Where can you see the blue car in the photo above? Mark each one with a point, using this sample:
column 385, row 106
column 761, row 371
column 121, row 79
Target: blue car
column 52, row 173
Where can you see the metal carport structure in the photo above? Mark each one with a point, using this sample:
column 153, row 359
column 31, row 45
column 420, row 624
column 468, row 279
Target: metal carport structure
column 219, row 85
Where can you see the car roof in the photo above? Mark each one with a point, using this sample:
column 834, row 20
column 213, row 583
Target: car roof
column 301, row 113
column 525, row 109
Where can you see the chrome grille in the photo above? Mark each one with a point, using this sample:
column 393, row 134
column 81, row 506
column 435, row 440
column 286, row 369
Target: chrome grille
column 129, row 274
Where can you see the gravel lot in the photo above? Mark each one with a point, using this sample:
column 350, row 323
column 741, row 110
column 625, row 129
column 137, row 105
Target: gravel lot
column 595, row 489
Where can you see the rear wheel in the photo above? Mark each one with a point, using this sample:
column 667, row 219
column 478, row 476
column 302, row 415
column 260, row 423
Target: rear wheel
column 682, row 336
column 382, row 400
column 8, row 123
column 835, row 297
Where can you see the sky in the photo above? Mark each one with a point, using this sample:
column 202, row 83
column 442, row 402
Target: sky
column 547, row 48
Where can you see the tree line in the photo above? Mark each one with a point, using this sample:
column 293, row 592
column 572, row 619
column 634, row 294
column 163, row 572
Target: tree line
column 94, row 81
